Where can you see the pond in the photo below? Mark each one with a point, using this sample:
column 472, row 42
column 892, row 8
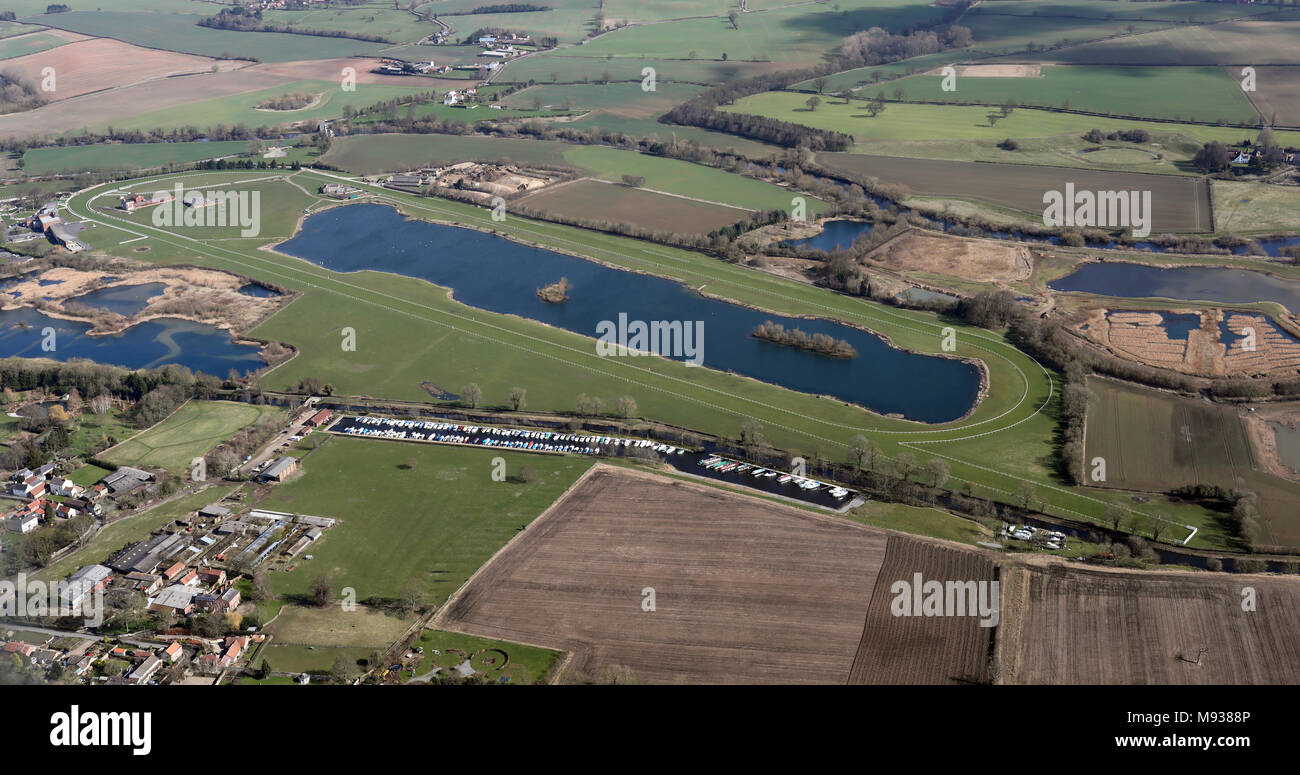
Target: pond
column 125, row 300
column 147, row 345
column 258, row 290
column 1184, row 283
column 498, row 275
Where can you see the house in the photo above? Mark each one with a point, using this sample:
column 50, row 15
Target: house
column 280, row 470
column 319, row 419
column 190, row 579
column 145, row 671
column 1241, row 158
column 171, row 573
column 23, row 522
column 45, row 656
column 230, row 599
column 172, row 653
column 31, row 487
column 212, row 576
column 66, row 487
column 18, row 647
column 84, row 583
column 130, row 202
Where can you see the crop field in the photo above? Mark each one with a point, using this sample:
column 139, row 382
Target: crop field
column 412, row 512
column 371, row 154
column 1155, row 442
column 1179, row 204
column 1231, row 43
column 1277, row 93
column 381, row 19
column 181, row 33
column 1150, row 92
column 923, row 649
column 650, row 209
column 29, row 43
column 77, row 158
column 190, row 432
column 618, row 99
column 1067, row 625
column 242, row 108
column 903, row 122
column 94, row 65
column 163, row 98
column 746, row 591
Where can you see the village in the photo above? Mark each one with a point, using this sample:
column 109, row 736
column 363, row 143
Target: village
column 171, row 607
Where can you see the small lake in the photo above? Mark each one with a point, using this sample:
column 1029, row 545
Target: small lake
column 1288, row 444
column 258, row 290
column 1186, row 283
column 498, row 275
column 125, row 300
column 835, row 235
column 150, row 344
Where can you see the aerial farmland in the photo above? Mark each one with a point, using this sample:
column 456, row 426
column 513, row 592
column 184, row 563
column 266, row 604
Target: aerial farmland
column 854, row 343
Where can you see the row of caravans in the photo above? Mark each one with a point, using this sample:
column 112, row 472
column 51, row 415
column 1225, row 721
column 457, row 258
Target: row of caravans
column 490, row 436
column 724, row 466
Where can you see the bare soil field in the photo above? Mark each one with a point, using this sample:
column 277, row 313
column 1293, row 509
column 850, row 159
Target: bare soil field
column 1276, row 95
column 923, row 649
column 968, row 259
column 76, row 113
column 1179, row 204
column 331, row 70
column 746, row 591
column 101, row 63
column 598, row 200
column 1066, row 625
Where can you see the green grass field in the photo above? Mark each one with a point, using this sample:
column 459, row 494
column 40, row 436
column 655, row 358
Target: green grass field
column 433, row 524
column 684, row 178
column 1177, row 93
column 180, row 32
column 624, row 99
column 908, row 122
column 191, row 432
column 374, row 18
column 1270, row 42
column 29, row 44
column 1153, row 442
column 1255, row 208
column 140, row 156
column 242, row 108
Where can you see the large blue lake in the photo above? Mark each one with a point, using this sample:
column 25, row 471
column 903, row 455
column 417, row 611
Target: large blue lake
column 147, row 345
column 496, row 274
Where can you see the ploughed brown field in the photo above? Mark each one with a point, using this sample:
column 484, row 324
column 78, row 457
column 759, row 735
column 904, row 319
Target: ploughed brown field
column 923, row 649
column 1179, row 204
column 1064, row 625
column 597, row 200
column 746, row 591
column 100, row 63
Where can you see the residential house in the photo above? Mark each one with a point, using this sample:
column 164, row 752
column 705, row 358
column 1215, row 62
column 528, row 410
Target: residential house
column 23, row 522
column 172, row 653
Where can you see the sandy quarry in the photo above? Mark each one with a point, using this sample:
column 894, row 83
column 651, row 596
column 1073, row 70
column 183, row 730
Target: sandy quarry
column 966, row 258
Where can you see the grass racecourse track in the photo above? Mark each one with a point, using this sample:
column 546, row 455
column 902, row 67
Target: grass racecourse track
column 190, row 432
column 409, row 332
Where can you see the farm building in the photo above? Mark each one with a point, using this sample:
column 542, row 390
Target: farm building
column 130, row 202
column 126, row 480
column 24, row 522
column 176, row 598
column 319, row 419
column 214, row 511
column 280, row 470
column 85, row 582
